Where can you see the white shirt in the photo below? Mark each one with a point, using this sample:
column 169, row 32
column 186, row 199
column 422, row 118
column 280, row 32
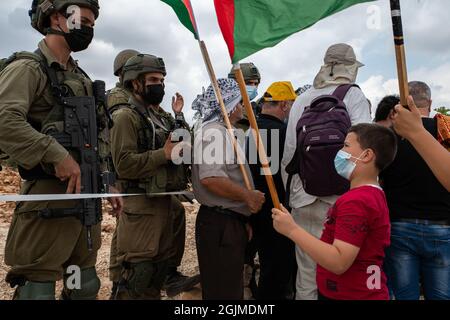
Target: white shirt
column 359, row 111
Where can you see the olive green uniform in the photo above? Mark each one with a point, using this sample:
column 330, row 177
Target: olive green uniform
column 145, row 230
column 39, row 250
column 119, row 97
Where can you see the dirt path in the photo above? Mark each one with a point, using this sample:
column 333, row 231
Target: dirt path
column 9, row 183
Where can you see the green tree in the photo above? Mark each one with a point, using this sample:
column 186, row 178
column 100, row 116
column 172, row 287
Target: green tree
column 443, row 110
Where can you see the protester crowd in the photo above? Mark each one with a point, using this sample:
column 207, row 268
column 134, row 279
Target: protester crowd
column 369, row 219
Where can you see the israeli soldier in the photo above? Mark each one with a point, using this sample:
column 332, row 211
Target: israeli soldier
column 252, row 79
column 142, row 155
column 117, row 97
column 176, row 282
column 46, row 239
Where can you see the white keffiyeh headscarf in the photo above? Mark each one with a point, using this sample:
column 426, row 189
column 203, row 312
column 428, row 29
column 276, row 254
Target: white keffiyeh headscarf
column 207, row 106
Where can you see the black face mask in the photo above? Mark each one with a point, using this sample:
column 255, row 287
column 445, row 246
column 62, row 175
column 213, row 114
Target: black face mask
column 153, row 94
column 77, row 39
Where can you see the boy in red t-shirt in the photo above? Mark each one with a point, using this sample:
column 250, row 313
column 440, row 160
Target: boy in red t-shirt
column 350, row 252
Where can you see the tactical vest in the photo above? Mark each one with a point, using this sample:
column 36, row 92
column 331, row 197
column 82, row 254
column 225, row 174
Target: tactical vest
column 65, row 84
column 117, row 97
column 152, row 135
column 78, row 120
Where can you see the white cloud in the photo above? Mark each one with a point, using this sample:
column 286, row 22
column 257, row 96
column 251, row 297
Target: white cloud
column 376, row 87
column 439, row 80
column 152, row 27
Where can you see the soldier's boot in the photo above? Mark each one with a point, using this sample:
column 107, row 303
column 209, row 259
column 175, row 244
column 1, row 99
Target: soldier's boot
column 176, row 282
column 90, row 285
column 142, row 281
column 35, row 291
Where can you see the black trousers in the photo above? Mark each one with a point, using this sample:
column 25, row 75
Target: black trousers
column 221, row 240
column 179, row 233
column 276, row 259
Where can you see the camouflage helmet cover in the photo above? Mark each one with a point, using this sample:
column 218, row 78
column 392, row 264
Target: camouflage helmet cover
column 249, row 70
column 122, row 58
column 42, row 9
column 142, row 64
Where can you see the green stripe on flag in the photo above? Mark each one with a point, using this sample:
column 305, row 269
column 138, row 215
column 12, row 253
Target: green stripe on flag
column 183, row 10
column 260, row 24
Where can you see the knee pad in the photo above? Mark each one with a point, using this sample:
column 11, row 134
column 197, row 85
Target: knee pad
column 140, row 277
column 145, row 278
column 35, row 291
column 90, row 285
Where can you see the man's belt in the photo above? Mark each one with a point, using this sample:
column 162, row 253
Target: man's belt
column 229, row 213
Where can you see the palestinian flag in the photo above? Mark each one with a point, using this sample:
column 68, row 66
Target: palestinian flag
column 251, row 25
column 183, row 9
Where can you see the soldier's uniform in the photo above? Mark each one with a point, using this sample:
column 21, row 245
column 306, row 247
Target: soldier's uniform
column 39, row 250
column 117, row 97
column 145, row 229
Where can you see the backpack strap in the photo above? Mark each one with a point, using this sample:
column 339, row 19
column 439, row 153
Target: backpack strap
column 342, row 90
column 287, row 197
column 52, row 76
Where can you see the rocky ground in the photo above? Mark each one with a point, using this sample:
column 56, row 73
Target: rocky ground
column 10, row 184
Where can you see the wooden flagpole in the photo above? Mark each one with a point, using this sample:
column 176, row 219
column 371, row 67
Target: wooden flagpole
column 215, row 84
column 400, row 51
column 254, row 127
column 219, row 97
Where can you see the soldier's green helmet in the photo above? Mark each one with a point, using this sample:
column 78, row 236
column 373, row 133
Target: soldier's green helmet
column 249, row 70
column 142, row 64
column 42, row 9
column 122, row 58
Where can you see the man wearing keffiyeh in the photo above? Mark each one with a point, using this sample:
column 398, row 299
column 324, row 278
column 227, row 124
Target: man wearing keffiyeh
column 226, row 204
column 207, row 106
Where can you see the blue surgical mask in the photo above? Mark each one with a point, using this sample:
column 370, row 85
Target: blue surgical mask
column 344, row 166
column 252, row 92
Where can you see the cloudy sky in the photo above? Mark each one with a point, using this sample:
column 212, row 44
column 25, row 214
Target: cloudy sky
column 151, row 26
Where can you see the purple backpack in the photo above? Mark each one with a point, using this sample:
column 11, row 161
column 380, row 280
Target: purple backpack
column 321, row 132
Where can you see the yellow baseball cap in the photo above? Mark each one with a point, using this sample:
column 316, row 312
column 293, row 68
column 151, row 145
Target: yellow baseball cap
column 280, row 91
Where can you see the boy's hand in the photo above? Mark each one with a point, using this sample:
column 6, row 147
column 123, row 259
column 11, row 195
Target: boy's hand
column 283, row 221
column 407, row 122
